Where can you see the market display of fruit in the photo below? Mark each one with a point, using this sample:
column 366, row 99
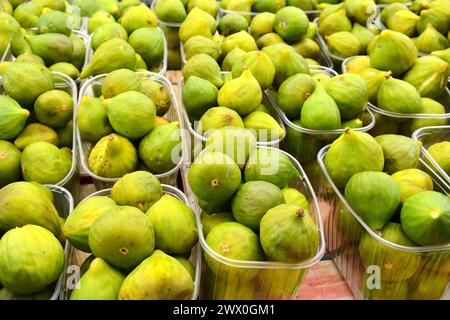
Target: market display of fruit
column 288, row 129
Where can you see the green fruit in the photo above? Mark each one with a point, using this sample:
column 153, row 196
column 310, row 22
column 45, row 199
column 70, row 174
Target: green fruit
column 111, row 55
column 241, row 39
column 54, row 108
column 268, row 5
column 373, row 78
column 139, row 189
column 357, row 64
column 45, row 163
column 374, row 196
column 120, row 81
column 66, row 68
column 209, row 6
column 209, row 221
column 264, row 125
column 170, row 11
column 6, row 7
column 51, row 47
column 307, row 48
column 198, row 96
column 218, row 117
column 412, row 181
column 131, row 114
column 25, row 81
column 205, row 67
column 30, row 57
column 351, row 153
column 27, row 14
column 344, row 44
column 235, row 241
column 400, row 152
column 294, row 197
column 425, row 218
column 302, row 146
column 235, row 142
column 320, row 111
column 394, row 264
column 200, row 44
column 138, row 17
column 112, row 157
column 436, row 17
column 25, row 266
column 98, row 19
column 52, row 4
column 280, row 226
column 123, row 236
column 359, row 10
column 388, row 290
column 170, row 216
column 214, row 176
column 439, row 153
column 159, row 95
column 429, row 286
column 429, row 75
column 443, row 54
column 291, row 24
column 92, row 119
column 192, row 27
column 109, row 6
column 107, row 32
column 232, row 23
column 13, row 118
column 260, row 65
column 9, row 163
column 398, row 96
column 272, row 166
column 269, row 39
column 248, row 207
column 242, row 94
column 36, row 132
column 160, row 148
column 25, row 203
column 100, row 282
column 350, row 93
column 159, row 277
column 261, row 24
column 390, row 10
column 78, row 224
column 149, row 44
column 293, row 93
column 335, row 22
column 45, row 294
column 231, row 58
column 393, row 51
column 53, row 21
column 431, row 40
column 364, row 35
column 79, row 51
column 187, row 265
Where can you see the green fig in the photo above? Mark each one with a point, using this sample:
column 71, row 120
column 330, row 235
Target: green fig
column 350, row 93
column 98, row 19
column 52, row 21
column 264, row 125
column 335, row 22
column 329, row 9
column 198, row 96
column 205, row 67
column 403, row 21
column 36, row 132
column 429, row 75
column 357, row 64
column 232, row 23
column 79, row 51
column 194, row 27
column 27, row 14
column 293, row 93
column 170, row 10
column 138, row 17
column 241, row 39
column 210, row 220
column 120, row 81
column 364, row 36
column 302, row 146
column 295, row 197
column 112, row 157
column 260, row 65
column 307, row 48
column 320, row 111
column 209, row 6
column 9, row 163
column 412, row 181
column 242, row 94
column 360, row 10
column 261, row 24
column 107, row 32
column 231, row 58
column 13, row 118
column 398, row 96
column 201, row 44
column 92, row 119
column 59, row 5
column 431, row 40
column 343, row 44
column 390, row 10
column 149, row 44
column 393, row 51
column 269, row 39
column 159, row 95
column 429, row 106
column 54, row 108
column 66, row 68
column 111, row 55
column 362, row 148
column 291, row 23
column 439, row 152
column 443, row 54
column 439, row 19
column 373, row 78
column 218, row 117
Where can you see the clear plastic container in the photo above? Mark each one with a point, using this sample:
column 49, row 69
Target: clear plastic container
column 162, row 67
column 76, row 257
column 410, row 272
column 429, row 136
column 256, row 280
column 198, row 140
column 63, row 82
column 62, row 199
column 91, row 88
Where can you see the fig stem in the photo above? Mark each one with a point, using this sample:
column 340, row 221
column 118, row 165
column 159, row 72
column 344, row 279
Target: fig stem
column 300, row 212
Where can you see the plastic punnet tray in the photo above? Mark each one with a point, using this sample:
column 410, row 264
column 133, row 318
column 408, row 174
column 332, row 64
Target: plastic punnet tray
column 90, row 88
column 76, row 257
column 65, row 83
column 429, row 136
column 343, row 231
column 269, row 280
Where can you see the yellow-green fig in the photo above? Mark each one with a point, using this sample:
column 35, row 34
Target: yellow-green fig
column 390, row 10
column 54, row 108
column 412, row 181
column 98, row 19
column 443, row 54
column 373, row 78
column 265, row 126
column 335, row 22
column 429, row 106
column 261, row 66
column 194, row 27
column 242, row 40
column 396, row 95
column 242, row 94
column 170, row 10
column 36, row 132
column 209, row 6
column 92, row 120
column 13, row 118
column 307, row 48
column 357, row 64
column 293, row 93
column 9, row 163
column 138, row 17
column 107, row 32
column 233, row 56
column 268, row 39
column 439, row 152
column 343, row 44
column 360, row 10
column 218, row 117
column 437, row 17
column 198, row 96
column 120, row 81
column 201, row 44
column 431, row 40
column 205, row 67
column 403, row 21
column 261, row 24
column 364, row 36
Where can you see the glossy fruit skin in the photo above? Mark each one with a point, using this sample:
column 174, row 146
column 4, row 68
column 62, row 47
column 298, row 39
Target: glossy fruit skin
column 107, row 32
column 120, row 81
column 205, row 67
column 9, row 163
column 412, row 181
column 210, row 220
column 439, row 153
column 149, row 44
column 13, row 118
column 25, row 267
column 54, row 108
column 291, row 24
column 293, row 93
column 425, row 218
column 199, row 95
column 398, row 96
